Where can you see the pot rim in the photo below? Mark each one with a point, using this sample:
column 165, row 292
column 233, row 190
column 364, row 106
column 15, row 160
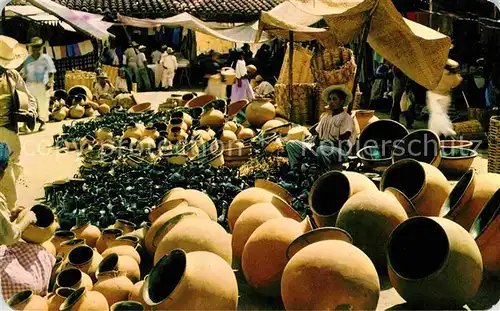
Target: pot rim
column 24, row 295
column 125, row 223
column 408, row 201
column 117, row 232
column 68, row 269
column 132, row 303
column 275, row 189
column 397, row 165
column 359, row 154
column 473, row 154
column 315, row 185
column 494, row 201
column 466, row 143
column 362, row 142
column 398, row 144
column 469, row 179
column 308, row 238
column 84, row 263
column 60, row 289
column 112, row 258
column 72, row 299
column 76, row 241
column 64, row 234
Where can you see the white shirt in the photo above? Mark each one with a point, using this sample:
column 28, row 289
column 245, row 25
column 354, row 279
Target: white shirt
column 169, row 62
column 264, row 88
column 37, row 71
column 155, row 56
column 332, row 126
column 121, row 84
column 141, row 60
column 241, row 69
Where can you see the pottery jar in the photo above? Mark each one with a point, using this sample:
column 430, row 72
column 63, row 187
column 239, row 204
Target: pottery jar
column 50, row 248
column 76, row 111
column 264, row 255
column 193, row 234
column 123, row 264
column 59, row 264
column 127, row 306
column 264, row 191
column 326, row 256
column 194, row 198
column 88, row 232
column 28, row 301
column 434, row 263
column 104, row 109
column 84, row 300
column 122, row 248
column 55, row 300
column 331, row 190
column 403, row 200
column 253, row 217
column 104, row 134
column 66, row 247
column 194, row 281
column 89, row 112
column 246, row 133
column 204, row 135
column 147, row 143
column 60, row 113
column 228, row 136
column 176, row 122
column 459, row 196
column 421, row 145
column 192, row 149
column 43, row 229
column 134, row 131
column 230, row 126
column 369, row 217
column 87, row 140
column 124, row 225
column 184, row 116
column 259, row 112
column 136, row 293
column 151, row 132
column 107, row 236
column 167, row 205
column 73, row 278
column 114, row 286
column 84, row 258
column 213, row 118
column 364, row 117
column 140, row 233
column 423, row 183
column 485, row 231
column 272, row 124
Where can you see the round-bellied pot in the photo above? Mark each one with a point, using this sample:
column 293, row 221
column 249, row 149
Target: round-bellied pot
column 213, row 118
column 264, row 255
column 459, row 195
column 58, row 266
column 228, row 136
column 421, row 145
column 136, row 293
column 43, row 229
column 88, row 232
column 107, row 235
column 61, row 236
column 123, row 248
column 364, row 117
column 230, row 126
column 124, row 264
column 193, row 234
column 114, row 285
column 28, row 301
column 55, row 300
column 456, row 161
column 67, row 246
column 127, row 306
column 140, row 233
column 326, row 256
column 84, row 300
column 73, row 278
column 194, row 281
column 84, row 258
column 194, row 198
column 369, row 217
column 134, row 130
column 104, row 134
column 124, row 225
column 245, row 133
column 427, row 188
column 259, row 112
column 403, row 200
column 485, row 230
column 184, row 116
column 434, row 263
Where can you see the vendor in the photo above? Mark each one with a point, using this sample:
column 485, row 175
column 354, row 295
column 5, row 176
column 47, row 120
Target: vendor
column 103, row 89
column 335, row 134
column 241, row 89
column 169, row 64
column 23, row 266
column 263, row 88
column 215, row 85
column 121, row 84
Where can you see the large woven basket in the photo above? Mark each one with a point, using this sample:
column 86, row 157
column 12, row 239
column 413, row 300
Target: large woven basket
column 303, row 108
column 494, row 145
column 301, row 66
column 333, row 66
column 78, row 77
column 468, row 127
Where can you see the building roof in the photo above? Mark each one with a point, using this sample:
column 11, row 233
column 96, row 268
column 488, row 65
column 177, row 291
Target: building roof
column 208, row 10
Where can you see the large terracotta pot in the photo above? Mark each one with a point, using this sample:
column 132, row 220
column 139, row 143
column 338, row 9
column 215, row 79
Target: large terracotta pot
column 364, row 117
column 423, row 183
column 124, row 225
column 434, row 263
column 459, row 196
column 73, row 278
column 264, row 256
column 61, row 236
column 330, row 191
column 28, row 301
column 420, row 145
column 194, row 281
column 259, row 112
column 228, row 136
column 43, row 229
column 127, row 306
column 123, row 248
column 88, row 232
column 486, row 186
column 84, row 258
column 67, row 246
column 245, row 133
column 84, row 300
column 403, row 200
column 107, row 235
column 264, row 191
column 114, row 286
column 194, row 198
column 140, row 233
column 253, row 217
column 136, row 293
column 193, row 234
column 369, row 217
column 56, row 299
column 213, row 118
column 485, row 230
column 124, row 264
column 326, row 256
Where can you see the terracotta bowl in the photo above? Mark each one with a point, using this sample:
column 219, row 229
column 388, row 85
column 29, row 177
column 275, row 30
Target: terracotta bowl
column 456, row 143
column 140, row 108
column 456, row 160
column 234, row 108
column 372, row 156
column 200, row 101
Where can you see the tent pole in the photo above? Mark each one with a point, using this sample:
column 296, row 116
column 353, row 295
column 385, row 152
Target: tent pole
column 290, row 67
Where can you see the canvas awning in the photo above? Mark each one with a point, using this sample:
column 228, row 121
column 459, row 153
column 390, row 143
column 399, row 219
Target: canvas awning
column 35, row 14
column 245, row 33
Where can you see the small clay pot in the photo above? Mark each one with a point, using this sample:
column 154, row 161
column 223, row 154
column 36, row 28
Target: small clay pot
column 88, row 232
column 213, row 118
column 73, row 278
column 124, row 225
column 26, row 300
column 84, row 300
column 84, row 258
column 114, row 286
column 259, row 112
column 56, row 299
column 177, row 122
column 106, row 236
column 104, row 134
column 61, row 236
column 43, row 229
column 123, row 248
column 66, row 247
column 124, row 264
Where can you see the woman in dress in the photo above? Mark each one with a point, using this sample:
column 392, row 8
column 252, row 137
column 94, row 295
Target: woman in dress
column 241, row 89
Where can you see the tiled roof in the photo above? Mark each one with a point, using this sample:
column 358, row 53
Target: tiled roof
column 208, row 10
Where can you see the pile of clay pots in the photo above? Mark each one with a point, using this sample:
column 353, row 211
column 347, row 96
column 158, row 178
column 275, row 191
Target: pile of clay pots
column 75, row 104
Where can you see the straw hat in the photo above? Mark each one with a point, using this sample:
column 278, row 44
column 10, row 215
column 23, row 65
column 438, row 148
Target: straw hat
column 164, row 47
column 251, row 68
column 36, row 41
column 170, row 50
column 340, row 87
column 102, row 75
column 134, row 44
column 142, row 47
column 12, row 53
column 259, row 78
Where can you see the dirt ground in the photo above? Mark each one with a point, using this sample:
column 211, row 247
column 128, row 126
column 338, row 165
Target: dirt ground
column 43, row 164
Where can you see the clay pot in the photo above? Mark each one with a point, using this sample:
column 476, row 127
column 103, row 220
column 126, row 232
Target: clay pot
column 113, row 286
column 151, row 132
column 451, row 263
column 87, row 141
column 122, row 248
column 124, row 225
column 55, row 300
column 456, row 161
column 330, row 191
column 146, row 143
column 259, row 112
column 55, row 272
column 369, row 217
column 204, row 135
column 192, row 149
column 253, row 217
column 84, row 258
column 28, row 301
column 459, row 196
column 298, row 133
column 140, row 108
column 88, row 232
column 194, row 198
column 230, row 126
column 73, row 278
column 456, row 143
column 326, row 256
column 427, row 188
column 193, row 234
column 60, row 113
column 264, row 255
column 382, row 133
column 140, row 233
column 403, row 200
column 89, row 112
column 371, row 157
column 176, row 122
column 364, row 117
column 136, row 293
column 127, row 306
column 43, row 229
column 66, row 247
column 104, row 134
column 103, row 109
column 228, row 136
column 134, row 130
column 184, row 116
column 84, row 300
column 420, row 145
column 213, row 118
column 50, row 248
column 246, row 133
column 124, row 264
column 271, row 124
column 485, row 231
column 264, row 191
column 107, row 236
column 76, row 111
column 194, row 281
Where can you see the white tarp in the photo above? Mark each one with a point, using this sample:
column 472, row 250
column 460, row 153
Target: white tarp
column 34, row 13
column 496, row 2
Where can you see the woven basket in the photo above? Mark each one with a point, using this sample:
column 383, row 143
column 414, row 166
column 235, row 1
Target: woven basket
column 111, row 71
column 301, row 66
column 78, row 77
column 494, row 145
column 303, row 109
column 333, row 66
column 468, row 127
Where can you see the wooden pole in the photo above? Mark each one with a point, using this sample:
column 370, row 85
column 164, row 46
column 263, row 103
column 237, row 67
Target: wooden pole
column 2, row 31
column 430, row 13
column 290, row 66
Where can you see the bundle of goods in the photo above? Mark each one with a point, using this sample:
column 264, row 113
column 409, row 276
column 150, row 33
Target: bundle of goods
column 301, row 109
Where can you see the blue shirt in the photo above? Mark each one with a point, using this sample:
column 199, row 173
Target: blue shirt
column 37, row 71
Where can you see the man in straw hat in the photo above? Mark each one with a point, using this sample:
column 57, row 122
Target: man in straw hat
column 12, row 56
column 103, row 89
column 169, row 64
column 335, row 134
column 158, row 67
column 263, row 88
column 143, row 81
column 39, row 70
